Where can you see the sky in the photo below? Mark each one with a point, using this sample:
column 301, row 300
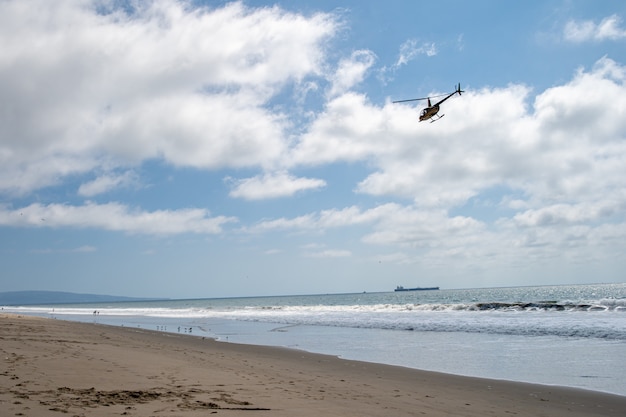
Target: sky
column 191, row 149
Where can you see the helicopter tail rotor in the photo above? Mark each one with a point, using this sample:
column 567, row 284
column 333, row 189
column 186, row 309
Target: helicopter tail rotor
column 458, row 89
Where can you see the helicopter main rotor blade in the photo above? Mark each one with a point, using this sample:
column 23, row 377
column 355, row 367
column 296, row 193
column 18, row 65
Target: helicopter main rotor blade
column 418, row 99
column 411, row 99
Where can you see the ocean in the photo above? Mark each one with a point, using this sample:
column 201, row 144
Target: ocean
column 569, row 335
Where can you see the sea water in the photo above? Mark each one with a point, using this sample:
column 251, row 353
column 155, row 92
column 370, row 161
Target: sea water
column 571, row 335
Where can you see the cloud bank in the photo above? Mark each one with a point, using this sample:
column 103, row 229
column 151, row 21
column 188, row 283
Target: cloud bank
column 92, row 91
column 115, row 217
column 87, row 85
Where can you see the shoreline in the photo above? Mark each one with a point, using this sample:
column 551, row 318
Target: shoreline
column 98, row 370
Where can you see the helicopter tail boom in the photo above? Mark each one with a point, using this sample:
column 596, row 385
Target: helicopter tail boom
column 432, row 109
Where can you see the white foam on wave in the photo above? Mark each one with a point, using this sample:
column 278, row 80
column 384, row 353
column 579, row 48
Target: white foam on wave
column 111, row 311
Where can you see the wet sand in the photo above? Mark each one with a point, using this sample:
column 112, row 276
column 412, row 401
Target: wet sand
column 53, row 367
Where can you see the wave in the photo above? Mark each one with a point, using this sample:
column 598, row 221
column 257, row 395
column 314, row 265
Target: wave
column 603, row 318
column 602, row 305
column 617, row 305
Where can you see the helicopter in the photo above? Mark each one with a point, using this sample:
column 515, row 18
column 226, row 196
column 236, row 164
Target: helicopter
column 432, row 110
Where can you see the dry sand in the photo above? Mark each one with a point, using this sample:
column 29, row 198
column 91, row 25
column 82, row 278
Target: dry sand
column 52, row 367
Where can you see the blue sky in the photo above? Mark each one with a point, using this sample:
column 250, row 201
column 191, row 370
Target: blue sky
column 211, row 149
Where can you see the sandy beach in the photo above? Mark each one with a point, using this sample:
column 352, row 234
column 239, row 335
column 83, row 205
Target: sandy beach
column 54, row 367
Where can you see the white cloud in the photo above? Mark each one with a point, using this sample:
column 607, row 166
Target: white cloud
column 409, row 50
column 304, row 222
column 21, row 173
column 349, row 129
column 413, row 227
column 272, row 185
column 394, row 225
column 107, row 182
column 587, row 30
column 85, row 249
column 318, row 250
column 330, row 253
column 435, row 239
column 580, row 213
column 80, row 249
column 115, row 217
column 86, row 81
column 353, row 215
column 325, row 219
column 273, row 251
column 351, row 72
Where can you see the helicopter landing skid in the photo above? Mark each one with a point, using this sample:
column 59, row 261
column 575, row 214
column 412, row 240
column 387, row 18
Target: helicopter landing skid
column 439, row 116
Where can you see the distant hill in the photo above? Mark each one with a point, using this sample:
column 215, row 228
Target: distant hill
column 22, row 298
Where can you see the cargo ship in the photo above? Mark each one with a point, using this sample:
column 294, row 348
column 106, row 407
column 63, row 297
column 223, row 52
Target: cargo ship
column 401, row 288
